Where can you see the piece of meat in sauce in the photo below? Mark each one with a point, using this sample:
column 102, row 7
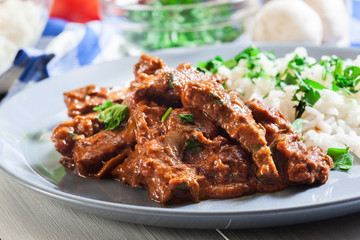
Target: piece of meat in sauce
column 82, row 100
column 297, row 163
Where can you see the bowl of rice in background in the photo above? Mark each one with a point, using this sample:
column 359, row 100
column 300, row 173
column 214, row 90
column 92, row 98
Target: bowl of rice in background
column 21, row 25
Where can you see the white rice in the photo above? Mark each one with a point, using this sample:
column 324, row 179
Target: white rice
column 21, row 24
column 334, row 120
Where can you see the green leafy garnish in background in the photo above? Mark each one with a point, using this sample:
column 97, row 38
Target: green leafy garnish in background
column 181, row 27
column 112, row 115
column 341, row 157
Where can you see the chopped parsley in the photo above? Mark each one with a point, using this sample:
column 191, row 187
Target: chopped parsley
column 186, row 118
column 113, row 115
column 104, row 106
column 193, row 145
column 72, row 135
column 166, row 114
column 341, row 157
column 224, row 84
column 297, row 125
column 170, row 79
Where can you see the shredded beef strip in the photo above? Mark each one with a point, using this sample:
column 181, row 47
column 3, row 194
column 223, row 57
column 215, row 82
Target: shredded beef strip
column 91, row 153
column 66, row 133
column 296, row 162
column 82, row 100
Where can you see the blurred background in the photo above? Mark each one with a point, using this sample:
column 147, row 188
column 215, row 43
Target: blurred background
column 42, row 38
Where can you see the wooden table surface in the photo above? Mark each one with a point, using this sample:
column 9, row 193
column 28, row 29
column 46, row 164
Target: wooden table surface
column 25, row 214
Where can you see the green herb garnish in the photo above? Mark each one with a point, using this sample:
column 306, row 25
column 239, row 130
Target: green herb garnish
column 297, row 125
column 113, row 116
column 224, row 85
column 166, row 114
column 170, row 79
column 341, row 157
column 104, row 106
column 193, row 145
column 186, row 118
column 72, row 135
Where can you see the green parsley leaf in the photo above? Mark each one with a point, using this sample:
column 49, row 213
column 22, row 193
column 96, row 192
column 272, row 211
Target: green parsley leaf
column 224, row 85
column 314, row 84
column 230, row 63
column 193, row 145
column 170, row 79
column 166, row 114
column 211, row 65
column 297, row 125
column 104, row 106
column 72, row 135
column 113, row 116
column 186, row 118
column 341, row 157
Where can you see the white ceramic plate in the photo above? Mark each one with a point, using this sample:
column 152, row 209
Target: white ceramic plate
column 28, row 156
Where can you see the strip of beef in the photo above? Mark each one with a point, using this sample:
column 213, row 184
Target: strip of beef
column 91, row 153
column 226, row 167
column 296, row 163
column 67, row 133
column 232, row 115
column 82, row 100
column 272, row 119
column 147, row 116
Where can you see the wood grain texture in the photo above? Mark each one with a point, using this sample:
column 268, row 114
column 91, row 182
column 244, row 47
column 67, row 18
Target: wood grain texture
column 25, row 214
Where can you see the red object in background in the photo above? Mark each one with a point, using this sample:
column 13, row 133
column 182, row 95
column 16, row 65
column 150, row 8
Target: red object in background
column 81, row 11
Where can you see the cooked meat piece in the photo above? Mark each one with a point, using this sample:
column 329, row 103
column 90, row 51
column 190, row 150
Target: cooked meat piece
column 66, row 133
column 294, row 161
column 166, row 84
column 272, row 119
column 82, row 100
column 157, row 165
column 232, row 115
column 148, row 65
column 226, row 168
column 147, row 116
column 304, row 166
column 90, row 153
